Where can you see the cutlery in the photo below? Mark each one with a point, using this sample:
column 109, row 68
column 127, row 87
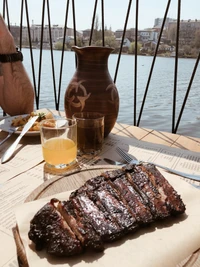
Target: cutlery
column 113, row 162
column 6, row 156
column 10, row 131
column 133, row 160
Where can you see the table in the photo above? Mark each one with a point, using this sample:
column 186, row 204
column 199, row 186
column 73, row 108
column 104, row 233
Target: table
column 25, row 172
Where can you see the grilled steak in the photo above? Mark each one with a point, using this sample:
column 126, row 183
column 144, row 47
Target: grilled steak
column 169, row 195
column 104, row 209
column 109, row 201
column 133, row 199
column 49, row 230
column 101, row 222
column 81, row 226
column 144, row 185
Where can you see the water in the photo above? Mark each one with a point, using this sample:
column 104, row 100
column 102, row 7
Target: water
column 157, row 112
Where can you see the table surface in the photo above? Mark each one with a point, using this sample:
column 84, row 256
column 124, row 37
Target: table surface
column 15, row 187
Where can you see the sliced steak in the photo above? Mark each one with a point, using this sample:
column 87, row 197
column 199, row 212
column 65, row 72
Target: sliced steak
column 81, row 226
column 136, row 203
column 104, row 209
column 103, row 225
column 149, row 192
column 108, row 199
column 134, row 200
column 49, row 230
column 173, row 201
column 113, row 174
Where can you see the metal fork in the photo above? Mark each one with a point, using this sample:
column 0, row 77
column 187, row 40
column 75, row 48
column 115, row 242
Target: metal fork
column 133, row 160
column 11, row 130
column 127, row 157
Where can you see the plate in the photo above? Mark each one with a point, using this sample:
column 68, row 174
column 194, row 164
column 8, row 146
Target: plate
column 5, row 124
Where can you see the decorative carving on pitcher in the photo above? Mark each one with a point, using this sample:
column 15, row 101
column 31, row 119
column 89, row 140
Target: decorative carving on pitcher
column 74, row 98
column 91, row 87
column 114, row 100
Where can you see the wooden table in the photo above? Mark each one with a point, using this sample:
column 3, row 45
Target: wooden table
column 121, row 132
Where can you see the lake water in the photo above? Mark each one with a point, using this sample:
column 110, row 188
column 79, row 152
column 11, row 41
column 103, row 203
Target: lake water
column 157, row 112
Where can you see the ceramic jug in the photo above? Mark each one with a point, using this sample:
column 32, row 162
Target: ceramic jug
column 91, row 87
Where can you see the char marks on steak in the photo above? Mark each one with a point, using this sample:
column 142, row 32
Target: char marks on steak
column 169, row 195
column 104, row 209
column 155, row 201
column 81, row 226
column 134, row 200
column 100, row 221
column 49, row 230
column 110, row 202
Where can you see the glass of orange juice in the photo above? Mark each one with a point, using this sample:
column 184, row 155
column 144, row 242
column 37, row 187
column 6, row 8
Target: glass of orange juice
column 59, row 142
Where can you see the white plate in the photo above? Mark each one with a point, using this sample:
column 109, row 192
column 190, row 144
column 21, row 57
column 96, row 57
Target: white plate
column 5, row 124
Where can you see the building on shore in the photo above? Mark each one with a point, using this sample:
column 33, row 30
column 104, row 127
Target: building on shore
column 188, row 34
column 36, row 34
column 159, row 21
column 188, row 31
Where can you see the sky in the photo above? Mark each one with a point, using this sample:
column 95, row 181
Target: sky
column 115, row 12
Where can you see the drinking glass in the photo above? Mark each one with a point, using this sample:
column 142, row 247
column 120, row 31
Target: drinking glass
column 90, row 132
column 59, row 142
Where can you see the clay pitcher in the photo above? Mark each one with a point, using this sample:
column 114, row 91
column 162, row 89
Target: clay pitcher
column 92, row 88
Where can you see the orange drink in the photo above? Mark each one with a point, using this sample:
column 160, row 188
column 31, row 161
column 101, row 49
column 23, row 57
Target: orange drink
column 59, row 142
column 59, row 151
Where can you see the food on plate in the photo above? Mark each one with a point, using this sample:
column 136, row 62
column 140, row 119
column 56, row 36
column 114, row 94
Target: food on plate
column 104, row 209
column 21, row 120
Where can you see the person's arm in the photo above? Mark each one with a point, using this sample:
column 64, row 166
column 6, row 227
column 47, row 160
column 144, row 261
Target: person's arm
column 16, row 90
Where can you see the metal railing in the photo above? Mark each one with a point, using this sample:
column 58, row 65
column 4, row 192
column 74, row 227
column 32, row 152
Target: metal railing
column 57, row 90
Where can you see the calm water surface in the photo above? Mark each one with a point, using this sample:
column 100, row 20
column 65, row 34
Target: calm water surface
column 157, row 112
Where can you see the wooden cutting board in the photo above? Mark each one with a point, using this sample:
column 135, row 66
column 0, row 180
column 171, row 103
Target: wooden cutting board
column 71, row 182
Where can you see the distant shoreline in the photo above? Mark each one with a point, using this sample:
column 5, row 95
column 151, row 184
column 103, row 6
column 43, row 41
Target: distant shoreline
column 123, row 53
